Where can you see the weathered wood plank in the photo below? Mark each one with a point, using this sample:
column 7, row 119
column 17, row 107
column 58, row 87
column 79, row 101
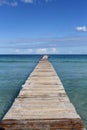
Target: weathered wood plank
column 42, row 104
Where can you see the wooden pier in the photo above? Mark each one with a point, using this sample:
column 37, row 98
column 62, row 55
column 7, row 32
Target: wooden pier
column 42, row 104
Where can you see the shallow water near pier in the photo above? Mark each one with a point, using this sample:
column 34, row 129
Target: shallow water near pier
column 14, row 70
column 72, row 70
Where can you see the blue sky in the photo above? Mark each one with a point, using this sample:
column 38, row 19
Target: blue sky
column 43, row 26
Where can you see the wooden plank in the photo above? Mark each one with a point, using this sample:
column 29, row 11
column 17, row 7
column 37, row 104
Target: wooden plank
column 42, row 104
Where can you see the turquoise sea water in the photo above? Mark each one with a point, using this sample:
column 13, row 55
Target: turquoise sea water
column 72, row 70
column 14, row 70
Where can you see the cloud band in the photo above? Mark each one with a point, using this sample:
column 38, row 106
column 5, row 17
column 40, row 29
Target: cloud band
column 81, row 28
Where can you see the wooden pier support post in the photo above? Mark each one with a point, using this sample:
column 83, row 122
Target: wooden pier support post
column 42, row 104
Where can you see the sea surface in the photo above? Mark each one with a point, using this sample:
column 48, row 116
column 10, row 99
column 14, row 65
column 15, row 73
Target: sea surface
column 72, row 70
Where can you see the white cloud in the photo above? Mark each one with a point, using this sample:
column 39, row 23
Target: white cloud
column 27, row 1
column 81, row 28
column 5, row 2
column 32, row 1
column 15, row 2
column 54, row 50
column 41, row 51
column 49, row 0
column 37, row 51
column 46, row 51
